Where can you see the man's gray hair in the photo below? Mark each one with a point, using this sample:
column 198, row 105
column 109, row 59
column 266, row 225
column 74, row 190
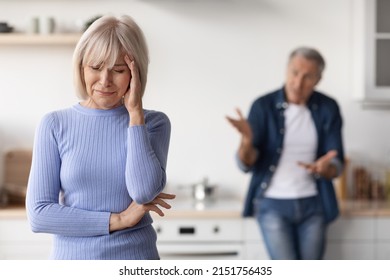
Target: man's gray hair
column 311, row 54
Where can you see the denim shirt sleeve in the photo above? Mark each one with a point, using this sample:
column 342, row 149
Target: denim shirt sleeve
column 329, row 123
column 242, row 166
column 338, row 165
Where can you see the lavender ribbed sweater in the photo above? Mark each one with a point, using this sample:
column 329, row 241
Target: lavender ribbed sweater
column 88, row 163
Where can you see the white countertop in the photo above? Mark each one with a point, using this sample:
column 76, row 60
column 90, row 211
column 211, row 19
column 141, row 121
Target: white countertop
column 187, row 208
column 217, row 208
column 182, row 207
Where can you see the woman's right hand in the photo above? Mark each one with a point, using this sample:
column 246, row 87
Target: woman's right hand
column 134, row 213
column 133, row 96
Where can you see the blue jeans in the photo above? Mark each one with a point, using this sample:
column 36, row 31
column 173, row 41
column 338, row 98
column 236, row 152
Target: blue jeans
column 292, row 229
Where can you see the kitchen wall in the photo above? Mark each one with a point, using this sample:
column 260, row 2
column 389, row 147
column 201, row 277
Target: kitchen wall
column 207, row 58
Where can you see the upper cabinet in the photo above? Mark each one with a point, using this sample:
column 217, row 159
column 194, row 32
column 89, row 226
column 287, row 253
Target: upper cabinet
column 15, row 39
column 382, row 44
column 371, row 52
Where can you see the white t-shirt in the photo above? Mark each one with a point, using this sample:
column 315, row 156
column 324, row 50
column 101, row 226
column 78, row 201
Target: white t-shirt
column 290, row 180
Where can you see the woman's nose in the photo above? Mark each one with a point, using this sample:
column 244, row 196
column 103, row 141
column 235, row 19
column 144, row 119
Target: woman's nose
column 105, row 77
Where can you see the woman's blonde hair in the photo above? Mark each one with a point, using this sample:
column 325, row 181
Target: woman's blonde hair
column 107, row 38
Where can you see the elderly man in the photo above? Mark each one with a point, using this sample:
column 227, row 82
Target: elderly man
column 292, row 144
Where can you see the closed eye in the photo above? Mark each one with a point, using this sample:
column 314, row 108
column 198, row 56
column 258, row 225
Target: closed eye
column 119, row 71
column 96, row 68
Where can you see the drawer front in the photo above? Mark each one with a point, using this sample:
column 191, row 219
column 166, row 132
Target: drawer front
column 181, row 230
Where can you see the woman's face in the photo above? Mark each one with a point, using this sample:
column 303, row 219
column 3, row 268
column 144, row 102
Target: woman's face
column 106, row 86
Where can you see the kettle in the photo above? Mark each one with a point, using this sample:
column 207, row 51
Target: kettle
column 202, row 191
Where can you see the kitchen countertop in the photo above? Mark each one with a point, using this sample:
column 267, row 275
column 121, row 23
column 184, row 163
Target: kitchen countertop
column 231, row 208
column 11, row 212
column 181, row 208
column 219, row 208
column 364, row 208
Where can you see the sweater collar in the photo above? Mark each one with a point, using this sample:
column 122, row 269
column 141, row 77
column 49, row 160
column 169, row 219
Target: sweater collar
column 100, row 112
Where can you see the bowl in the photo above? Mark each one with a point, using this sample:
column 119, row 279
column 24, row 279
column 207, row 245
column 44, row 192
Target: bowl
column 5, row 28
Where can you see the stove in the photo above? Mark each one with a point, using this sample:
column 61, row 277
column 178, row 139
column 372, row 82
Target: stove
column 201, row 230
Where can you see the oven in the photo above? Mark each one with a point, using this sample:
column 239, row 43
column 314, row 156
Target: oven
column 200, row 238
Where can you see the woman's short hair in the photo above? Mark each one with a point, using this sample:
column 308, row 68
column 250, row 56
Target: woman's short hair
column 310, row 54
column 105, row 39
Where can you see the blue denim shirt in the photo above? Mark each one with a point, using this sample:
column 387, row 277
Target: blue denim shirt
column 266, row 118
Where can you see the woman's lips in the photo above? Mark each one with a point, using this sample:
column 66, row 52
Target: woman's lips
column 100, row 92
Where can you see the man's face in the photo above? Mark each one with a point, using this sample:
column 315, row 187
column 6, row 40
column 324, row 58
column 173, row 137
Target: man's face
column 302, row 76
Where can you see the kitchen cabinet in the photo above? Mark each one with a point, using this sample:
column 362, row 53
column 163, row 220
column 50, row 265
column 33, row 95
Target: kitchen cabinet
column 352, row 238
column 18, row 39
column 254, row 248
column 371, row 52
column 359, row 238
column 217, row 232
column 18, row 242
column 382, row 250
column 382, row 245
column 349, row 238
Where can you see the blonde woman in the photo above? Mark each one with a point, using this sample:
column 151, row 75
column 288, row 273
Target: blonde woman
column 99, row 167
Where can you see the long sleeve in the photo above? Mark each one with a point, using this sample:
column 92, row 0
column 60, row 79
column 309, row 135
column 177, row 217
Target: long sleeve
column 147, row 157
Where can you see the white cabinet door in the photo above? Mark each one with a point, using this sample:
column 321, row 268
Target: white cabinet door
column 352, row 228
column 370, row 35
column 383, row 239
column 255, row 251
column 382, row 251
column 252, row 230
column 351, row 238
column 383, row 229
column 254, row 248
column 18, row 242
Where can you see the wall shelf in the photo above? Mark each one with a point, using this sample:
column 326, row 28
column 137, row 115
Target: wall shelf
column 20, row 39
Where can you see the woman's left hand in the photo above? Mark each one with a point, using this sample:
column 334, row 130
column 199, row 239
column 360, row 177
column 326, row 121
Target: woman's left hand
column 133, row 96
